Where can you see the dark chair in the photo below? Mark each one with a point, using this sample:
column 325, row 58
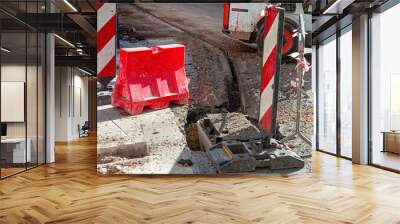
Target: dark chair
column 84, row 130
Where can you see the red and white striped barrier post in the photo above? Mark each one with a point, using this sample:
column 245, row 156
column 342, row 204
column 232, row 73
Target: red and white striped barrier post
column 272, row 53
column 106, row 40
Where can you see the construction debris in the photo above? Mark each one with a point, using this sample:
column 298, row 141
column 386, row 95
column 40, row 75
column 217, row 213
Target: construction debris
column 224, row 85
column 228, row 126
column 185, row 162
column 233, row 144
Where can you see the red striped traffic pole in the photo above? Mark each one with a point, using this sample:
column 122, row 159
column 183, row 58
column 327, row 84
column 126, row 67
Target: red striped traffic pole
column 106, row 40
column 272, row 53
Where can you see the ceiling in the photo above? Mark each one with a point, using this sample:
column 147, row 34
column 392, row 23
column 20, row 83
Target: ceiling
column 74, row 22
column 330, row 15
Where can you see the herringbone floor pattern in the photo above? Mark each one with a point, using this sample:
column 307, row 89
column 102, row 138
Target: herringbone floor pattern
column 70, row 191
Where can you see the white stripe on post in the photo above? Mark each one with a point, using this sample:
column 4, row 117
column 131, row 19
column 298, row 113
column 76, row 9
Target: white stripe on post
column 270, row 40
column 106, row 54
column 266, row 99
column 104, row 14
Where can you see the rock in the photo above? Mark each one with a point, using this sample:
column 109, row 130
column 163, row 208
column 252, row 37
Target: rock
column 126, row 150
column 186, row 154
column 233, row 126
column 285, row 159
column 104, row 98
column 185, row 162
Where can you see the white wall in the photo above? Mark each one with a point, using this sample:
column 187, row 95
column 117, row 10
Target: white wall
column 71, row 94
column 81, row 84
column 33, row 126
column 16, row 73
column 61, row 103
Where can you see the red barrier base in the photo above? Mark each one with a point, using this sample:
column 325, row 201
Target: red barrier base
column 151, row 77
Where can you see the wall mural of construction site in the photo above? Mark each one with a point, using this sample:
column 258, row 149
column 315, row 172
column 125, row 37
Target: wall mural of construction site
column 204, row 88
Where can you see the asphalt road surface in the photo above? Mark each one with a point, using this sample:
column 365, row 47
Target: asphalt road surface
column 210, row 11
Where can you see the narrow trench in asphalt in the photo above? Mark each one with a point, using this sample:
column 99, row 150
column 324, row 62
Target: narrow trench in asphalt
column 233, row 102
column 195, row 113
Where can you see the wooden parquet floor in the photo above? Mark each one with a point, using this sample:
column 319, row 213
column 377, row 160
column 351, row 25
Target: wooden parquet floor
column 70, row 191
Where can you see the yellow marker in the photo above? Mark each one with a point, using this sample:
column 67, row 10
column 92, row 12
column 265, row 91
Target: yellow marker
column 227, row 152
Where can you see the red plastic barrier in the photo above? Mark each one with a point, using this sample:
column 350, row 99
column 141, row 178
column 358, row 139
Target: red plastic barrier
column 151, row 77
